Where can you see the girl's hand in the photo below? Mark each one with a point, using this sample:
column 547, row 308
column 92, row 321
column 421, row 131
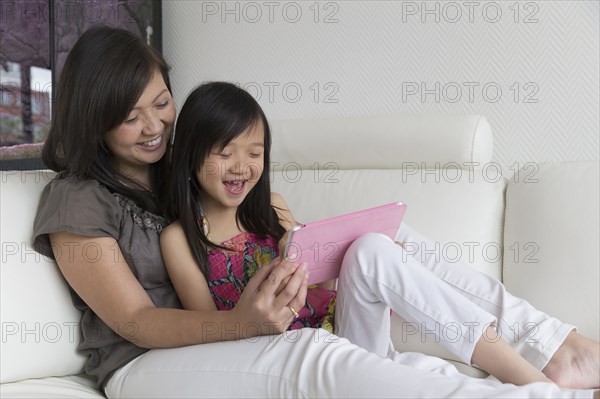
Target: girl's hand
column 281, row 246
column 282, row 242
column 266, row 300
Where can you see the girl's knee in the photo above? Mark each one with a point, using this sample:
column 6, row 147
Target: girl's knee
column 371, row 240
column 370, row 243
column 370, row 250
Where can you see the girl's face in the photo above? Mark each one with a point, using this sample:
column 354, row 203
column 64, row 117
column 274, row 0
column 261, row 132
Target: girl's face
column 142, row 139
column 228, row 175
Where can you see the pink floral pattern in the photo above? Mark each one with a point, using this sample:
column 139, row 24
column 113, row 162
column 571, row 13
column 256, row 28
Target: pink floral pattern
column 232, row 268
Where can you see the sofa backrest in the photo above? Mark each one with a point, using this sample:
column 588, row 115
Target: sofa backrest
column 383, row 142
column 40, row 327
column 439, row 165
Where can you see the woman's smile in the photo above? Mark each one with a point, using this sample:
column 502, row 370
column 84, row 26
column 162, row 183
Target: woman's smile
column 153, row 144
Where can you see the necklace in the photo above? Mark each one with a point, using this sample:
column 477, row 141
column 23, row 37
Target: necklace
column 142, row 186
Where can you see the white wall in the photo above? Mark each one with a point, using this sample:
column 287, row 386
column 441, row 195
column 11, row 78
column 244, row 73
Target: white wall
column 532, row 67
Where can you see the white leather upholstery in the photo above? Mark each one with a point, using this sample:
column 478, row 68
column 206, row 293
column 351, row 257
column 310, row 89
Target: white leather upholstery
column 354, row 143
column 40, row 326
column 552, row 219
column 52, row 387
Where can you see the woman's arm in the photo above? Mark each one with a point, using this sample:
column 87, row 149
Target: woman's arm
column 107, row 285
column 286, row 219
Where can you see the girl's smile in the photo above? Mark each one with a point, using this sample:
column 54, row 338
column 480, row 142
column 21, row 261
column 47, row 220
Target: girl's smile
column 235, row 187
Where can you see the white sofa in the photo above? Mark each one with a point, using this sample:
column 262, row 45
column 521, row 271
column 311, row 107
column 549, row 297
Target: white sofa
column 537, row 232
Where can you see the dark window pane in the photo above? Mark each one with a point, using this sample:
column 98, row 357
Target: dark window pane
column 27, row 28
column 24, row 44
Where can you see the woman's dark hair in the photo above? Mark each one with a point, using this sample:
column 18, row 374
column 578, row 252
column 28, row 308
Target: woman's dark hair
column 103, row 77
column 214, row 114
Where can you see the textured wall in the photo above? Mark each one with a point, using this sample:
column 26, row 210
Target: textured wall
column 532, row 67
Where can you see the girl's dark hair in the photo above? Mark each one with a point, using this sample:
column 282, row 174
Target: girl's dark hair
column 103, row 77
column 214, row 114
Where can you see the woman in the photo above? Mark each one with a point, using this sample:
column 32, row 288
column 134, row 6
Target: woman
column 113, row 118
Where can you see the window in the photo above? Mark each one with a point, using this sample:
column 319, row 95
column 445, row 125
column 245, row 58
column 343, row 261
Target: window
column 28, row 73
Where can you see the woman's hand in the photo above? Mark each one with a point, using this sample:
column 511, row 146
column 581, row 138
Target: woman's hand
column 265, row 303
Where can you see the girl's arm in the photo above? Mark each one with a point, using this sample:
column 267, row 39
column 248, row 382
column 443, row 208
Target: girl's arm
column 189, row 282
column 109, row 288
column 286, row 219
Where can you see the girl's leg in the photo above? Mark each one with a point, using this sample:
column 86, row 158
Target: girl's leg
column 376, row 275
column 303, row 363
column 534, row 334
column 565, row 356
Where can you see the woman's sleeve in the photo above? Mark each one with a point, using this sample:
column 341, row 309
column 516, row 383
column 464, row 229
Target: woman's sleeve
column 82, row 207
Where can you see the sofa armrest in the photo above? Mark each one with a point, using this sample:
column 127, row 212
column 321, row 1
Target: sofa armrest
column 551, row 237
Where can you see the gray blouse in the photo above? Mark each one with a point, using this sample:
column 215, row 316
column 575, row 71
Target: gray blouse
column 87, row 208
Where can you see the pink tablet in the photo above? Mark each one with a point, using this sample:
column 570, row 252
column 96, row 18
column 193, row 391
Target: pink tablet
column 322, row 244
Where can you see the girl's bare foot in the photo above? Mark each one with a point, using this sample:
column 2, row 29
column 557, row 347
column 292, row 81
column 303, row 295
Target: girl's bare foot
column 576, row 363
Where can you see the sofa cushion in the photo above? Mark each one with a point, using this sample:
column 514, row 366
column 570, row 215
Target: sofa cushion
column 551, row 237
column 52, row 387
column 40, row 326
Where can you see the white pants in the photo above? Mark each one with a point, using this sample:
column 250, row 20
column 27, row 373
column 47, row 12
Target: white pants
column 305, row 363
column 449, row 299
column 312, row 363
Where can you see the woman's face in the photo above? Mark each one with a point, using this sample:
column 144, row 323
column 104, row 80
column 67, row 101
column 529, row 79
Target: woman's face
column 142, row 139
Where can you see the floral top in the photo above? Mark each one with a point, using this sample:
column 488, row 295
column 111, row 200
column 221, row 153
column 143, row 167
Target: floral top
column 231, row 270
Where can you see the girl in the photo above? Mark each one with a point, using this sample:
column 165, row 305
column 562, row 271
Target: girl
column 228, row 224
column 221, row 198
